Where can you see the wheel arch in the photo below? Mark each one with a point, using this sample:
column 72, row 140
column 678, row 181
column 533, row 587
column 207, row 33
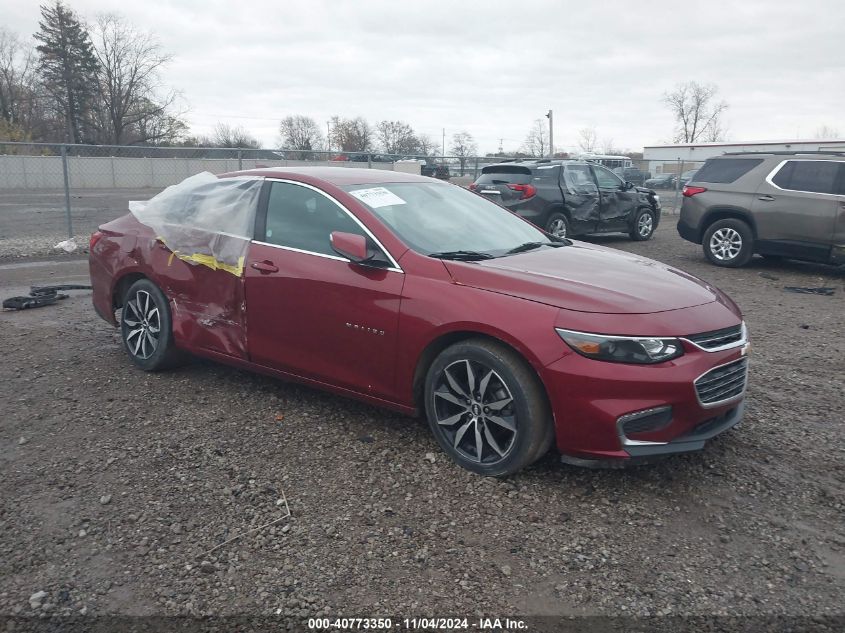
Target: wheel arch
column 447, row 339
column 557, row 207
column 122, row 284
column 727, row 213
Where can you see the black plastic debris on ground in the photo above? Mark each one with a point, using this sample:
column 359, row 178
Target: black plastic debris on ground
column 826, row 292
column 40, row 296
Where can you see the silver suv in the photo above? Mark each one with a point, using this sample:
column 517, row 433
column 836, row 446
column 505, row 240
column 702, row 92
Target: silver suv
column 776, row 204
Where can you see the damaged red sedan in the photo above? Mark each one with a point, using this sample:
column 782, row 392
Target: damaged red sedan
column 418, row 295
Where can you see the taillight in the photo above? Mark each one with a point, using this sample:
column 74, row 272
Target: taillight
column 528, row 191
column 473, row 187
column 95, row 237
column 689, row 192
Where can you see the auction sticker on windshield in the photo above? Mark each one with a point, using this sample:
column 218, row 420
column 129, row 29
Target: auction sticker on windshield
column 376, row 197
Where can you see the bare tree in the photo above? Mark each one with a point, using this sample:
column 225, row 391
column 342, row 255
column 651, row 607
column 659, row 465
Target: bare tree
column 396, row 137
column 588, row 139
column 825, row 131
column 463, row 146
column 608, row 147
column 128, row 78
column 225, row 135
column 162, row 128
column 696, row 111
column 17, row 83
column 299, row 132
column 426, row 145
column 351, row 135
column 537, row 141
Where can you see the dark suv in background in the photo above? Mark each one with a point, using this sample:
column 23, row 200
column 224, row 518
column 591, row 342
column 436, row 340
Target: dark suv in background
column 632, row 174
column 571, row 197
column 777, row 204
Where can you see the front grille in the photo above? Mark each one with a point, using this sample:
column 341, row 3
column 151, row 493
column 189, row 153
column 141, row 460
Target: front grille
column 722, row 383
column 717, row 338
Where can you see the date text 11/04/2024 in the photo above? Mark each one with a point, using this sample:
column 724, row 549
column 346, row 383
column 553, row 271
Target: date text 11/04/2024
column 448, row 624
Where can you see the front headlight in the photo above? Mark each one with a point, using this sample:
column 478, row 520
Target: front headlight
column 640, row 350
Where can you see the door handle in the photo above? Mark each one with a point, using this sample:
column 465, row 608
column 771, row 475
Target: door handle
column 265, row 267
column 766, row 198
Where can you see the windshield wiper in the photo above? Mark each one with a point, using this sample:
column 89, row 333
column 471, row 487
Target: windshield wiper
column 530, row 246
column 465, row 256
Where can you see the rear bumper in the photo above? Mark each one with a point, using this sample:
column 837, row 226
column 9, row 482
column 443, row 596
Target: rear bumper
column 688, row 232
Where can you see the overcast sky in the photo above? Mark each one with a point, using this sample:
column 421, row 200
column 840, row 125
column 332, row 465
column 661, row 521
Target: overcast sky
column 492, row 67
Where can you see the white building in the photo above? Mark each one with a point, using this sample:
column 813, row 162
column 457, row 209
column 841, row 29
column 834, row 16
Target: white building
column 683, row 156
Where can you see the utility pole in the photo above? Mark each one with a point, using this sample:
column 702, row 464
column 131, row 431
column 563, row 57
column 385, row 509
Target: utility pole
column 328, row 140
column 444, row 143
column 550, row 117
column 501, row 142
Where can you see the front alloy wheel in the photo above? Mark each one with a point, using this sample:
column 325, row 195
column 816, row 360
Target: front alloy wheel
column 643, row 228
column 487, row 408
column 475, row 410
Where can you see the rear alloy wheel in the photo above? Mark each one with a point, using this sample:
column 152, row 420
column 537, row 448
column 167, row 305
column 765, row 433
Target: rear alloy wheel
column 728, row 243
column 486, row 408
column 145, row 327
column 558, row 225
column 643, row 226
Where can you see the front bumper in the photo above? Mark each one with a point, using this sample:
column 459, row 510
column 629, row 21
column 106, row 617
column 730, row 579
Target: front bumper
column 593, row 401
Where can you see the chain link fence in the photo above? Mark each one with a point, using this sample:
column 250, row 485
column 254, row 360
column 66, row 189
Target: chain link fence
column 668, row 178
column 50, row 192
column 53, row 192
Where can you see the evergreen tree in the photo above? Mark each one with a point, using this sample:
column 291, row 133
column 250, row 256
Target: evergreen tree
column 68, row 69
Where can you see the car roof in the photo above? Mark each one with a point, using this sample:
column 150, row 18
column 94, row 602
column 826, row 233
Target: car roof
column 534, row 164
column 795, row 153
column 338, row 176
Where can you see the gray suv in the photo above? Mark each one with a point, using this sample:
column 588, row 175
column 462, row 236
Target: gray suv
column 776, row 204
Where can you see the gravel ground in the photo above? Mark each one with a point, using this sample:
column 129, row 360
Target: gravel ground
column 120, row 489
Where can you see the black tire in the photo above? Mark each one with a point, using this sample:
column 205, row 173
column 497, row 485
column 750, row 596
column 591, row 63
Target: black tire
column 145, row 308
column 736, row 246
column 558, row 225
column 512, row 435
column 643, row 227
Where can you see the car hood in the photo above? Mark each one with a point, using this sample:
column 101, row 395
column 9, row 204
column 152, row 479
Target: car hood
column 586, row 278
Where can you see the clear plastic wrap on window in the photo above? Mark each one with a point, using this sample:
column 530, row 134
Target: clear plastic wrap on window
column 204, row 219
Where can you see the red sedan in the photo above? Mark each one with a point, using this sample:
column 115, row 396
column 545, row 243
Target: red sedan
column 418, row 295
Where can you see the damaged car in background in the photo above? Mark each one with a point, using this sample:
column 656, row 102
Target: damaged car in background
column 571, row 197
column 420, row 296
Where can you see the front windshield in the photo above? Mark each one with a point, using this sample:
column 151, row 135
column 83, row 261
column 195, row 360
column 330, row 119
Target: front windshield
column 439, row 217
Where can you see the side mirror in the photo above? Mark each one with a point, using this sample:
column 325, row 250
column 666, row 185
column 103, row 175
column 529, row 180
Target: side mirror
column 349, row 245
column 629, row 185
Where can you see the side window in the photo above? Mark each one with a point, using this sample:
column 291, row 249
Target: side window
column 840, row 188
column 578, row 180
column 606, row 178
column 815, row 176
column 299, row 217
column 546, row 175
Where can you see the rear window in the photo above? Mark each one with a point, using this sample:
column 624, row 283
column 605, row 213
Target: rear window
column 505, row 175
column 815, row 176
column 725, row 170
